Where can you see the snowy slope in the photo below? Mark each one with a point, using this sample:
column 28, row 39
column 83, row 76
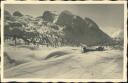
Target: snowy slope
column 66, row 62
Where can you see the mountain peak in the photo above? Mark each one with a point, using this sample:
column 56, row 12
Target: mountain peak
column 48, row 16
column 66, row 12
column 17, row 13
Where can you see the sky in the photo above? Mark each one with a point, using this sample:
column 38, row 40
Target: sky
column 109, row 17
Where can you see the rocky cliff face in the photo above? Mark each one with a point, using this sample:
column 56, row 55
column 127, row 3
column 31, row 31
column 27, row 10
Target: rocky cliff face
column 82, row 30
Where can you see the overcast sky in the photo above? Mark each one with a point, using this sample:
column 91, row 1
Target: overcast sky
column 109, row 17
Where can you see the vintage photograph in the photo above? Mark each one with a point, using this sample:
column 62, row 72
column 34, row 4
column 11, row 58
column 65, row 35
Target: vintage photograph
column 64, row 41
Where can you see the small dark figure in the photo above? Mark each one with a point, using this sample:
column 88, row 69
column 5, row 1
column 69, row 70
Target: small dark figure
column 84, row 49
column 100, row 48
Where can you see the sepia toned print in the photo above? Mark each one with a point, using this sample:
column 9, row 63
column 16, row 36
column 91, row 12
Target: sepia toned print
column 64, row 41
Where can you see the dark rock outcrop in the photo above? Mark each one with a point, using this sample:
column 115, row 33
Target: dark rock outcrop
column 17, row 13
column 48, row 16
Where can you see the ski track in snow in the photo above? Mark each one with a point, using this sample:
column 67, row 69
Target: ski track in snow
column 72, row 65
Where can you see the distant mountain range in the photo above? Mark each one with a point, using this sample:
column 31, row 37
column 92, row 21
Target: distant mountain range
column 118, row 34
column 65, row 28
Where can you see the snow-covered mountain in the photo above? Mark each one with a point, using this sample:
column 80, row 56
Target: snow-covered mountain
column 118, row 34
column 64, row 28
column 119, row 37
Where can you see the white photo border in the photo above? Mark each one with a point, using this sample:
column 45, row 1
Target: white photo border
column 64, row 80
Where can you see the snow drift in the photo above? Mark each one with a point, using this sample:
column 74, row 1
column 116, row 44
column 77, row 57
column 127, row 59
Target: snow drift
column 67, row 63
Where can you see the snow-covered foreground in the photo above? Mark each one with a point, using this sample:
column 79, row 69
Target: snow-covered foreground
column 63, row 63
